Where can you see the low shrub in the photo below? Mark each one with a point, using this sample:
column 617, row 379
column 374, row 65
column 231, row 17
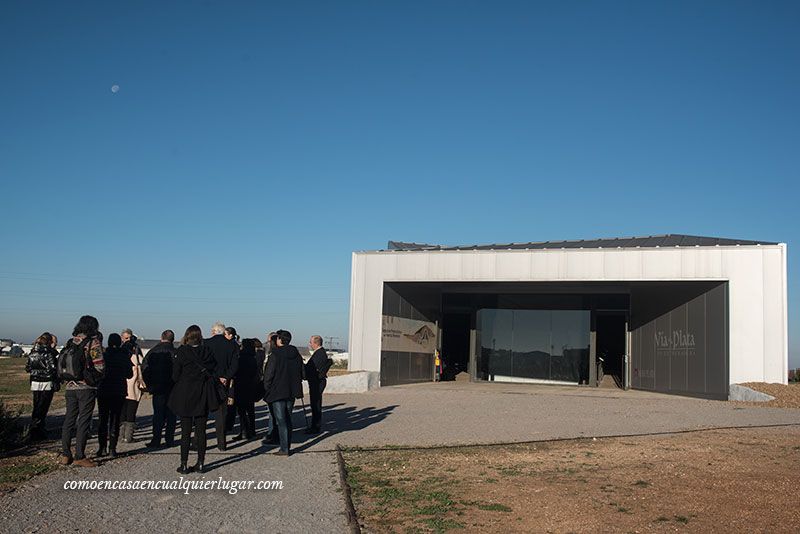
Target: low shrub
column 10, row 428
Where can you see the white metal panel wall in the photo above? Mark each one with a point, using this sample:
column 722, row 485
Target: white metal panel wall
column 776, row 369
column 746, row 314
column 756, row 275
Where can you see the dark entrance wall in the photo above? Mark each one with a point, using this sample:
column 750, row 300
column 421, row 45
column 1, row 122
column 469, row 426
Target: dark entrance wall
column 679, row 337
column 408, row 301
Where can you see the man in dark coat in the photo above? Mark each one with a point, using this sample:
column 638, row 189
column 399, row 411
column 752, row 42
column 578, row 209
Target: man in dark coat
column 157, row 375
column 283, row 383
column 317, row 377
column 226, row 354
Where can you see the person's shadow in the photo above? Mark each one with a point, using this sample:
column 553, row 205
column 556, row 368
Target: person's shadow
column 338, row 418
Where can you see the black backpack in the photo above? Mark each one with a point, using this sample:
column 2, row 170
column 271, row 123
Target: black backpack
column 74, row 366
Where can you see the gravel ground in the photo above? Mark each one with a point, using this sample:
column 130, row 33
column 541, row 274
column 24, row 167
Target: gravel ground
column 786, row 396
column 450, row 413
column 310, row 501
column 415, row 415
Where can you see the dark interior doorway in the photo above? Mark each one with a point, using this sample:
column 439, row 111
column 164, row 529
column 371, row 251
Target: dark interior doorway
column 455, row 345
column 611, row 344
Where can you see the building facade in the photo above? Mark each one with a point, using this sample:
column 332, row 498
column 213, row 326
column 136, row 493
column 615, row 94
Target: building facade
column 674, row 313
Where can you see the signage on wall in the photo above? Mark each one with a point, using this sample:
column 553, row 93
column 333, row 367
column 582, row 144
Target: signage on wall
column 675, row 342
column 408, row 335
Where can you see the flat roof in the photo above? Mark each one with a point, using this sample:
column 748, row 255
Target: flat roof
column 652, row 241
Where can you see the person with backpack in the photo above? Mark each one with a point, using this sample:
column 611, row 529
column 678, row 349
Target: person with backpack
column 283, row 383
column 135, row 385
column 80, row 368
column 157, row 375
column 111, row 395
column 317, row 376
column 42, row 365
column 194, row 394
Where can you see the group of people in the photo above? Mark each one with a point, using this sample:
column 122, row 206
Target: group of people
column 220, row 375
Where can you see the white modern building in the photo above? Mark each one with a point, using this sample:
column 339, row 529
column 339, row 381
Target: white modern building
column 672, row 313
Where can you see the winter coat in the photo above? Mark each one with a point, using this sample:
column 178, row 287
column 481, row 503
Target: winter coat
column 317, row 367
column 42, row 364
column 283, row 375
column 189, row 396
column 245, row 383
column 134, row 382
column 226, row 355
column 118, row 370
column 157, row 368
column 93, row 350
column 261, row 361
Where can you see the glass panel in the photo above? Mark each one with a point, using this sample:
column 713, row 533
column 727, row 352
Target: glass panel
column 570, row 346
column 531, row 344
column 540, row 344
column 496, row 340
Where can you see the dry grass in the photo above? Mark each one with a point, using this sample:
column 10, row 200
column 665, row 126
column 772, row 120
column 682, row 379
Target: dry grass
column 714, row 481
column 15, row 470
column 15, row 386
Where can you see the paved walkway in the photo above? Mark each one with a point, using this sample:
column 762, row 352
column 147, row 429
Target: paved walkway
column 310, row 501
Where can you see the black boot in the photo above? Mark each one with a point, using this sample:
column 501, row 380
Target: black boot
column 183, row 469
column 112, row 443
column 101, row 452
column 198, row 467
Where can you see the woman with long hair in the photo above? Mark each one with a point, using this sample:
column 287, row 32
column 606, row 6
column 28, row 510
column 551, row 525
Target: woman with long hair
column 230, row 416
column 192, row 369
column 111, row 395
column 134, row 386
column 42, row 366
column 84, row 354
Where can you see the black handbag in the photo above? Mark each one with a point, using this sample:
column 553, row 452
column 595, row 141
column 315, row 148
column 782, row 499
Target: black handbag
column 216, row 393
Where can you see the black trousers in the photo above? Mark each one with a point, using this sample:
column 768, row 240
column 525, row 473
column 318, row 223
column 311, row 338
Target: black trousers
column 230, row 417
column 220, row 418
column 315, row 390
column 129, row 411
column 110, row 411
column 163, row 416
column 199, row 424
column 41, row 405
column 80, row 406
column 247, row 418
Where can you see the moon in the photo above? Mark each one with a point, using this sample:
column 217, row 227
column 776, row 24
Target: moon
column 115, row 88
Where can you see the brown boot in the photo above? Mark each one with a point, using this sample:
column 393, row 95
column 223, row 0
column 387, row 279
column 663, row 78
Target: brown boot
column 85, row 462
column 64, row 459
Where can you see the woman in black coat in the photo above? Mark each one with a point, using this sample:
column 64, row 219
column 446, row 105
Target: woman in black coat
column 191, row 371
column 111, row 394
column 41, row 364
column 245, row 388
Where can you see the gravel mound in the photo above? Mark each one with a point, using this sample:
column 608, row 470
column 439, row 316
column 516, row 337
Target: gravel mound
column 785, row 396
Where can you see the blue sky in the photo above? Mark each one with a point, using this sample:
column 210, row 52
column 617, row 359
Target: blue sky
column 252, row 146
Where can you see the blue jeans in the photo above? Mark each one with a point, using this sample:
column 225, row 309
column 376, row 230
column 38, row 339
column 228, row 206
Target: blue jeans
column 282, row 409
column 163, row 415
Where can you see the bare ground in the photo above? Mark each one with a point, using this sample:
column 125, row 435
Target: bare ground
column 739, row 480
